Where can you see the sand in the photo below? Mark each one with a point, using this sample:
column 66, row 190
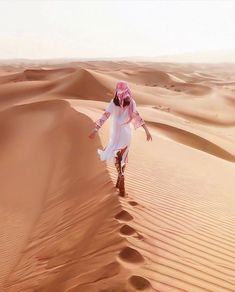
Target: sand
column 63, row 225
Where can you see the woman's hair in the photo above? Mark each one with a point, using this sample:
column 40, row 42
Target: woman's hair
column 116, row 101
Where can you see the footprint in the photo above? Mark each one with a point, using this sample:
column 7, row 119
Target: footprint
column 139, row 236
column 139, row 283
column 123, row 216
column 133, row 203
column 127, row 230
column 130, row 255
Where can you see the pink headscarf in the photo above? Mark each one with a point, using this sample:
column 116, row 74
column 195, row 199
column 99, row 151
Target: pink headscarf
column 123, row 91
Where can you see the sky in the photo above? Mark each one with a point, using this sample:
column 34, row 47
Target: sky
column 41, row 29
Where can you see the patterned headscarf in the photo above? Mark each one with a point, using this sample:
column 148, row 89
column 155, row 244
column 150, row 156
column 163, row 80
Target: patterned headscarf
column 123, row 91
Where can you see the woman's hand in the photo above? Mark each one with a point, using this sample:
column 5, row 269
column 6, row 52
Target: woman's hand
column 92, row 134
column 148, row 136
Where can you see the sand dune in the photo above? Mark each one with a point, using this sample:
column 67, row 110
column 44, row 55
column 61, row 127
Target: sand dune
column 64, row 227
column 78, row 84
column 194, row 141
column 35, row 74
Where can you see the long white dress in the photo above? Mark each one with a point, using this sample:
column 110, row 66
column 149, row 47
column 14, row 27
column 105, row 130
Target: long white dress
column 120, row 135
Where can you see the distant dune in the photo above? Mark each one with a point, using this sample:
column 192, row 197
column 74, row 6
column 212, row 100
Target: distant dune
column 63, row 226
column 210, row 56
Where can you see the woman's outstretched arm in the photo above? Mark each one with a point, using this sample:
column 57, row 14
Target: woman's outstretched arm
column 137, row 122
column 99, row 123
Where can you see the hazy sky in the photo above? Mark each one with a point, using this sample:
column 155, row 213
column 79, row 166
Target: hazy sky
column 77, row 29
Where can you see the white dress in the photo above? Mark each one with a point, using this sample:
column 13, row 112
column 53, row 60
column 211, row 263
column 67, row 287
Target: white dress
column 120, row 135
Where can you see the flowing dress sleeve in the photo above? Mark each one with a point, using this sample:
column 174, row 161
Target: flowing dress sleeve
column 106, row 114
column 137, row 120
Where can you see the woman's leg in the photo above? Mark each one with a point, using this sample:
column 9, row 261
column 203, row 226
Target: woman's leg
column 118, row 159
column 124, row 165
column 120, row 168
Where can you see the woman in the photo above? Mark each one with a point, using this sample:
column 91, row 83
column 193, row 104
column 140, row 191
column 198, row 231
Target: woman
column 123, row 110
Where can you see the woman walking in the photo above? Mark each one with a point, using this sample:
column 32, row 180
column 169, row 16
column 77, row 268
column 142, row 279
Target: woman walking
column 123, row 110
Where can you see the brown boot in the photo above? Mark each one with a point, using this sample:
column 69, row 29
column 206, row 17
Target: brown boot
column 123, row 168
column 118, row 167
column 117, row 182
column 122, row 185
